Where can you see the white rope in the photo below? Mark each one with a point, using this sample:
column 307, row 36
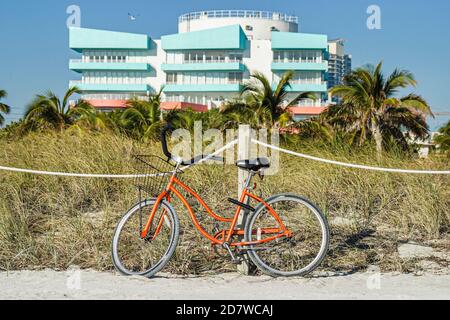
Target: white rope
column 229, row 145
column 108, row 176
column 76, row 175
column 348, row 165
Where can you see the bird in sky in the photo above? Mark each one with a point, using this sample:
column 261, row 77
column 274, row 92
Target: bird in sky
column 132, row 17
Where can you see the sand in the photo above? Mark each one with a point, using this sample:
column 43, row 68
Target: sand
column 87, row 284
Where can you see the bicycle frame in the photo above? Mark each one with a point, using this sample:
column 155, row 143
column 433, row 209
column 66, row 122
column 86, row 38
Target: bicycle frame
column 225, row 236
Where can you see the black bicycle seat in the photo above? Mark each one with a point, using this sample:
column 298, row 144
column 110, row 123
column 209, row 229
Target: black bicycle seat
column 253, row 164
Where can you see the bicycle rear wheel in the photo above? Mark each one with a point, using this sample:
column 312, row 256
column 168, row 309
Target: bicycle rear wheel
column 297, row 255
column 133, row 255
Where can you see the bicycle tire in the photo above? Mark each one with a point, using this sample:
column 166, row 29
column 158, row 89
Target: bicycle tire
column 267, row 269
column 174, row 237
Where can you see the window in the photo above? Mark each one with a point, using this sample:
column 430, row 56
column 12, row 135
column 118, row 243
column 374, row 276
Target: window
column 278, row 56
column 201, row 78
column 235, row 77
column 172, row 78
column 209, row 58
column 187, row 58
column 236, row 57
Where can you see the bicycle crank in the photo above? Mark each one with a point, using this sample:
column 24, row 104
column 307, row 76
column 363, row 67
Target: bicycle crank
column 234, row 260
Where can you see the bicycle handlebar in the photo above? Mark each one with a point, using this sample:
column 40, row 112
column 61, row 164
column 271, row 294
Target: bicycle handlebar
column 169, row 155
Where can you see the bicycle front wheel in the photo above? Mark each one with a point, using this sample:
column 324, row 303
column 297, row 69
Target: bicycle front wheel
column 133, row 255
column 296, row 255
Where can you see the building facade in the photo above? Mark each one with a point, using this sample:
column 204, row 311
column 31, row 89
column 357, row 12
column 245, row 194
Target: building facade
column 339, row 63
column 203, row 65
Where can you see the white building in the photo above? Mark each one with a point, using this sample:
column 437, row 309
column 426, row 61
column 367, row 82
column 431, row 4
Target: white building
column 339, row 63
column 204, row 64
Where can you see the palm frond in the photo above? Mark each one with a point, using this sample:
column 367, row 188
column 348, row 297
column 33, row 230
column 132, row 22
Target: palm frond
column 69, row 94
column 416, row 103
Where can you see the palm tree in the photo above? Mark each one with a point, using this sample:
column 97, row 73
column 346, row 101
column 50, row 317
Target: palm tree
column 86, row 116
column 268, row 107
column 50, row 112
column 3, row 107
column 443, row 139
column 142, row 119
column 369, row 107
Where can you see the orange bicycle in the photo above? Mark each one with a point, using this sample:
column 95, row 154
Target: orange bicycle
column 284, row 235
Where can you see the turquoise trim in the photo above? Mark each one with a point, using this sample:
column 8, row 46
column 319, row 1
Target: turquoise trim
column 203, row 88
column 80, row 39
column 225, row 38
column 113, row 87
column 307, row 88
column 279, row 66
column 83, row 66
column 297, row 41
column 204, row 67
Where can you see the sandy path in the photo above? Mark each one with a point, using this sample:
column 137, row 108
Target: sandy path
column 95, row 285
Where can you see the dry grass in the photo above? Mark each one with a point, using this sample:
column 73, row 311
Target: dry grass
column 50, row 222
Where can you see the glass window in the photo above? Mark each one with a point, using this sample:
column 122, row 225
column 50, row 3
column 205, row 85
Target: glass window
column 187, row 57
column 209, row 78
column 201, row 78
column 171, row 78
column 193, row 78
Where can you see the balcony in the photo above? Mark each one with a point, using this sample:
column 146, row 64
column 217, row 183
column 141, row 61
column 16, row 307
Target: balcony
column 101, row 87
column 299, row 66
column 209, row 66
column 229, row 87
column 79, row 65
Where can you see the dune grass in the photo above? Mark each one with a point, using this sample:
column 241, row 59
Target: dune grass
column 55, row 222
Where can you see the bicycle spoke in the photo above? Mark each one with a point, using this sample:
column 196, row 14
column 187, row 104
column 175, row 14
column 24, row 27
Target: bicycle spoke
column 136, row 255
column 289, row 255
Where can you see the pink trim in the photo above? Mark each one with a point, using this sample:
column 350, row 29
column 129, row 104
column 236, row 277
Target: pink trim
column 183, row 105
column 307, row 110
column 120, row 104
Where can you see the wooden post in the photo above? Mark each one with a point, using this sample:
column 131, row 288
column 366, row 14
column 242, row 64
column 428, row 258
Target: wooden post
column 244, row 147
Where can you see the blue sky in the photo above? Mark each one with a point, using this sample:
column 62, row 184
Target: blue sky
column 34, row 49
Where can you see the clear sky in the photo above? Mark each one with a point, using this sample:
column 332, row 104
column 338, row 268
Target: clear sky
column 415, row 35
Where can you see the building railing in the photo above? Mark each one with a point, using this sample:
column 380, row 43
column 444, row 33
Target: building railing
column 96, row 61
column 81, row 82
column 266, row 15
column 113, row 97
column 214, row 61
column 301, row 82
column 299, row 61
column 105, row 60
column 308, row 103
column 175, row 83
